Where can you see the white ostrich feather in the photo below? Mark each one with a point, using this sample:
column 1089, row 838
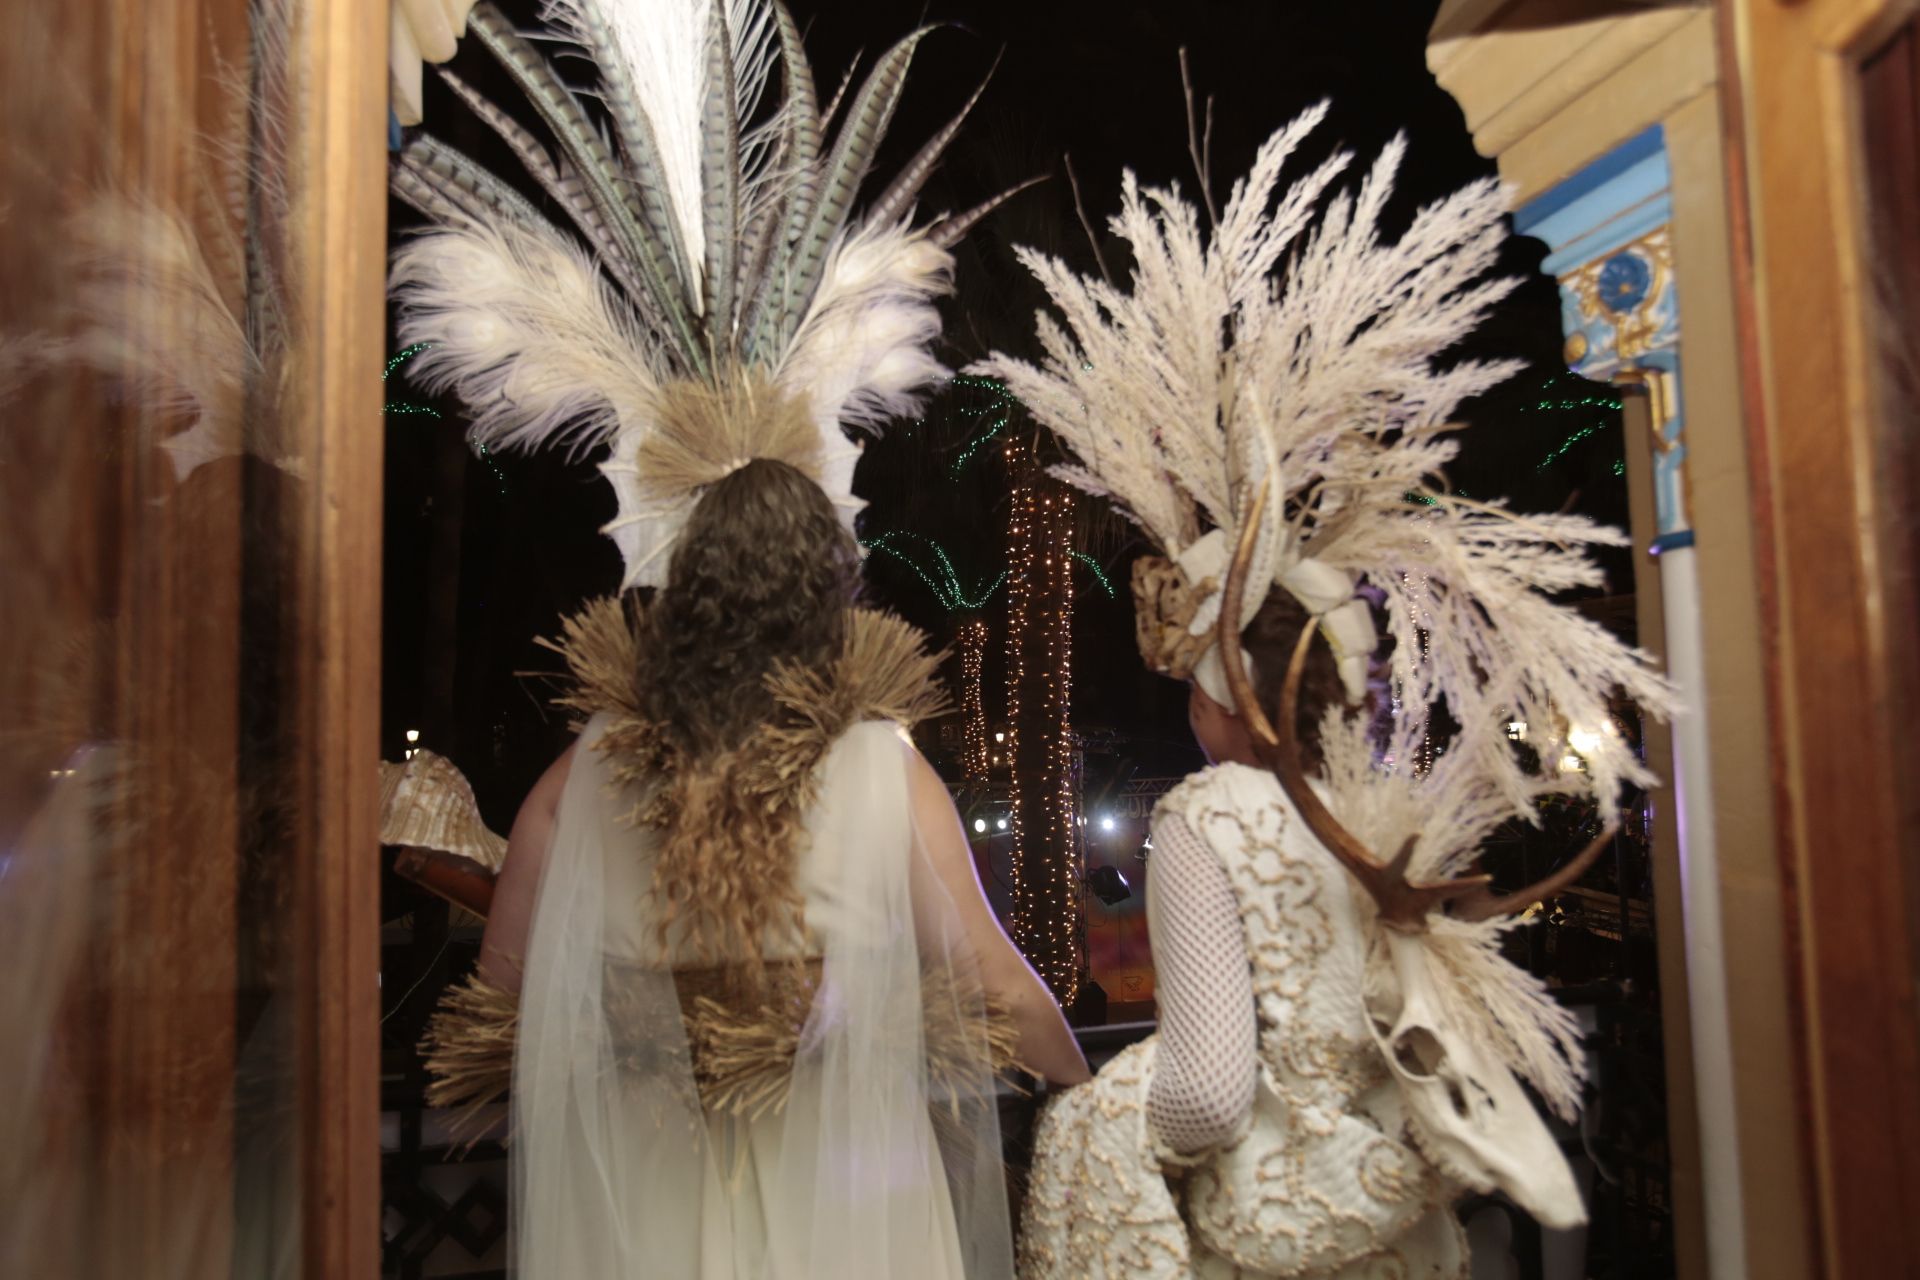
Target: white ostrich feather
column 154, row 317
column 860, row 354
column 527, row 331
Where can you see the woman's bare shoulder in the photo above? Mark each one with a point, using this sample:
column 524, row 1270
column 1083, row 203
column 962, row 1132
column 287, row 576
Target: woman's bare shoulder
column 546, row 793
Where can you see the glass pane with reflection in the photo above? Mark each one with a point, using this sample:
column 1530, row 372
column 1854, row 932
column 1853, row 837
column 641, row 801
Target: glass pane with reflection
column 150, row 493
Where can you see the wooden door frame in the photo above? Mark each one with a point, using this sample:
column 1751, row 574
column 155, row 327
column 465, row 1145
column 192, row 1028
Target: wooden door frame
column 340, row 234
column 1836, row 657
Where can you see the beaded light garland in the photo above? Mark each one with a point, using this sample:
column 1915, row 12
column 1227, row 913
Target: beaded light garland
column 973, row 712
column 945, row 581
column 1049, row 923
column 409, row 408
column 1106, row 583
column 998, row 411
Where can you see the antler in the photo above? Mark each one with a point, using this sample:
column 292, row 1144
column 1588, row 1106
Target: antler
column 1403, row 904
column 1485, row 906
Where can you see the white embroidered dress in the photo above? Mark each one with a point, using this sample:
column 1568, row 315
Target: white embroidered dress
column 1260, row 1133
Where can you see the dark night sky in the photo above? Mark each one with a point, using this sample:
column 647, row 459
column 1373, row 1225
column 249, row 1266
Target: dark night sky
column 1098, row 81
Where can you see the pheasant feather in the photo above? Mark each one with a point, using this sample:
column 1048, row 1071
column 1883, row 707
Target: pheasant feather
column 706, row 241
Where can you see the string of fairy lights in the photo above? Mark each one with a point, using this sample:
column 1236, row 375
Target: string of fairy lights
column 1049, row 924
column 973, row 710
column 943, row 580
column 998, row 411
column 414, row 409
column 1599, row 409
column 1099, row 574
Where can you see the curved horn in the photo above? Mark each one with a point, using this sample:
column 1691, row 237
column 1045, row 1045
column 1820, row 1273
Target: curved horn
column 1227, row 630
column 1402, row 905
column 1486, row 907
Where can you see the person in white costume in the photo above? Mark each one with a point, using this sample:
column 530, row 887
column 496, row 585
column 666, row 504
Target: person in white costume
column 749, row 987
column 760, row 993
column 1341, row 1042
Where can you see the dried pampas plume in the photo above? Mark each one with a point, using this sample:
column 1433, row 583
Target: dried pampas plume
column 707, row 432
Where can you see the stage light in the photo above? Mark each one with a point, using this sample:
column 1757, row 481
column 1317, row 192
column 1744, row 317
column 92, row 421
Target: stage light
column 1106, row 824
column 1109, row 885
column 979, row 824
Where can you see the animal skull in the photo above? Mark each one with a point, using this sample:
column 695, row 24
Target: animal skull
column 1470, row 1115
column 1165, row 605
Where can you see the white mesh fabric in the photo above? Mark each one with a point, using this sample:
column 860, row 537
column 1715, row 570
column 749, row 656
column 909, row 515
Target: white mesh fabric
column 1203, row 1083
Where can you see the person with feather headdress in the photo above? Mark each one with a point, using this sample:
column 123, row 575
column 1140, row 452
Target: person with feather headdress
column 1341, row 1040
column 739, row 978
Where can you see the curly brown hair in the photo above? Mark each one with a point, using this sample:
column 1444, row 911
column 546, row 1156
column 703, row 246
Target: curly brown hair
column 1269, row 640
column 762, row 575
column 758, row 591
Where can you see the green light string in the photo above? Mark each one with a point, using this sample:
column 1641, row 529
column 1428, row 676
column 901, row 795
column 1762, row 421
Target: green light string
column 1565, row 445
column 499, row 476
column 402, row 356
column 406, row 406
column 950, row 593
column 1098, row 572
column 1001, row 407
column 1604, row 401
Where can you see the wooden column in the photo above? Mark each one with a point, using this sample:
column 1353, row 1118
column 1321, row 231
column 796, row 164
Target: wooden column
column 188, row 646
column 1838, row 603
column 339, row 237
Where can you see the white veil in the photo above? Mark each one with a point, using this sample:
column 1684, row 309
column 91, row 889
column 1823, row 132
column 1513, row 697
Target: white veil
column 883, row 1160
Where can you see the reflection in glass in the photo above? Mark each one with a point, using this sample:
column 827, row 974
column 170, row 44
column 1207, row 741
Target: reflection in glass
column 148, row 487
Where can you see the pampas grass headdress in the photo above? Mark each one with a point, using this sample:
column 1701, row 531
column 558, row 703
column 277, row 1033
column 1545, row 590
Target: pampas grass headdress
column 1280, row 379
column 711, row 297
column 1300, row 350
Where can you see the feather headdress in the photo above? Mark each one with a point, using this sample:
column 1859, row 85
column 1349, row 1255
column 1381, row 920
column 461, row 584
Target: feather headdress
column 1274, row 388
column 713, row 270
column 1301, row 351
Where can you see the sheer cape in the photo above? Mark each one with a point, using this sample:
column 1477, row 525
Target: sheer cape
column 839, row 1120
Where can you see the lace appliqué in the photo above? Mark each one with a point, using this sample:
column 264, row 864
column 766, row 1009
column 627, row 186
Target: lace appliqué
column 1319, row 1180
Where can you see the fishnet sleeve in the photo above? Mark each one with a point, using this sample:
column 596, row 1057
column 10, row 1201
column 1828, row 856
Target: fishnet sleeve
column 1201, row 1096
